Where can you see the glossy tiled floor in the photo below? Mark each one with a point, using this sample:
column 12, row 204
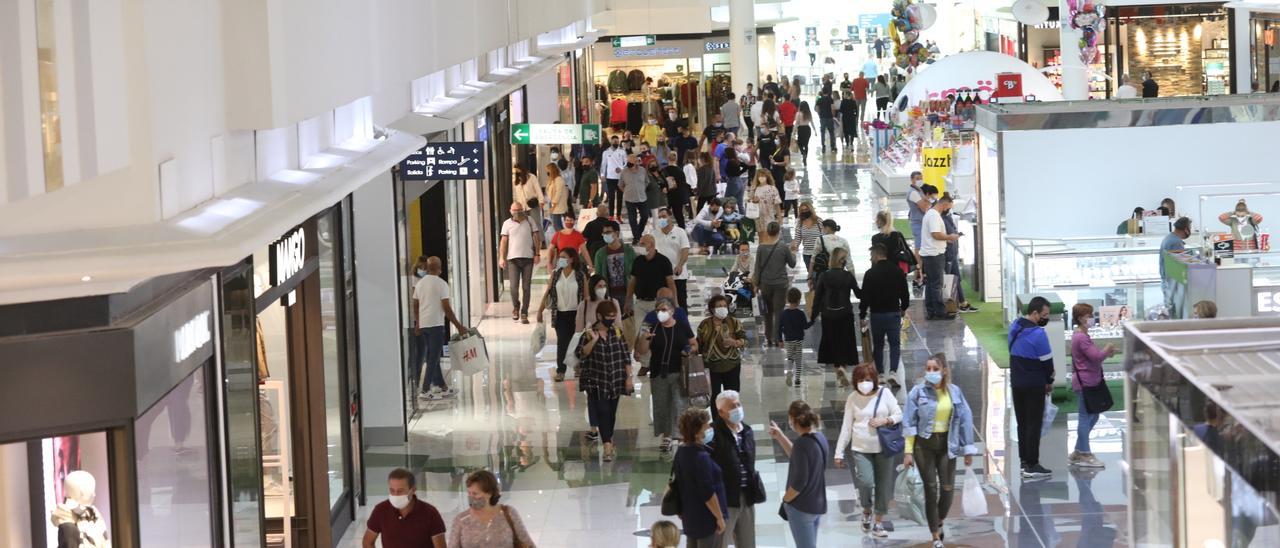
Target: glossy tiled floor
column 518, row 423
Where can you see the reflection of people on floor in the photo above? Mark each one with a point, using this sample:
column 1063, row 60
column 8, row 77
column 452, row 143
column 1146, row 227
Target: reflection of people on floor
column 1037, row 521
column 1093, row 532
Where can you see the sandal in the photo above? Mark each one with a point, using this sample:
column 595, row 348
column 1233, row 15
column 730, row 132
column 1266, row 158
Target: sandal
column 559, row 377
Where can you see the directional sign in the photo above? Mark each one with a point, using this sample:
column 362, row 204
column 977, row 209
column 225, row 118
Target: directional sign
column 555, row 134
column 444, row 161
column 634, row 41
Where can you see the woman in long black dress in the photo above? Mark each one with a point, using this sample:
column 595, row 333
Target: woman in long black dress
column 832, row 302
column 849, row 119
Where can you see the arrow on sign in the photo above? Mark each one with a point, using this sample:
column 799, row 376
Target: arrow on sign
column 520, row 134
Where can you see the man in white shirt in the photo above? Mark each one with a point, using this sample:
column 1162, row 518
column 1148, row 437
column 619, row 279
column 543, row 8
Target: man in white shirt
column 1126, row 89
column 519, row 249
column 933, row 249
column 707, row 224
column 673, row 243
column 431, row 308
column 613, row 160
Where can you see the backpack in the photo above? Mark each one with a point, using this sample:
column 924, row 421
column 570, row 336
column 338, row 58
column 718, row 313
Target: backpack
column 822, row 259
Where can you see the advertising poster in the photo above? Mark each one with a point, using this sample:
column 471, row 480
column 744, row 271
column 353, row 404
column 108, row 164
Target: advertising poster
column 811, row 36
column 937, row 165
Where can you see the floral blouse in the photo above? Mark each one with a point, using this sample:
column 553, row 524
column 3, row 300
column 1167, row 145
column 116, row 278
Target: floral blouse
column 469, row 531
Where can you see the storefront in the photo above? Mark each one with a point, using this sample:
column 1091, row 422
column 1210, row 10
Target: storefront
column 110, row 417
column 1264, row 49
column 1001, row 34
column 1186, row 47
column 1043, row 49
column 306, row 367
column 1201, row 436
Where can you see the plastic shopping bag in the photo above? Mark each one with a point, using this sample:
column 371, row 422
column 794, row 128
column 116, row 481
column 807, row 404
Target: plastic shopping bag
column 908, row 494
column 538, row 338
column 1050, row 412
column 975, row 501
column 571, row 357
column 753, row 210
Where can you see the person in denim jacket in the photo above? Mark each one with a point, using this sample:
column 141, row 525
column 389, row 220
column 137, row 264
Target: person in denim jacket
column 938, row 425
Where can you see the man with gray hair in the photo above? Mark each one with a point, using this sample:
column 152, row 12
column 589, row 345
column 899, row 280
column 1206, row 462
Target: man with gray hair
column 734, row 450
column 1126, row 89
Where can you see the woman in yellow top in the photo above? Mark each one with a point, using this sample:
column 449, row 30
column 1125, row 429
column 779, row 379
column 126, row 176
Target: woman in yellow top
column 938, row 425
column 650, row 131
column 557, row 196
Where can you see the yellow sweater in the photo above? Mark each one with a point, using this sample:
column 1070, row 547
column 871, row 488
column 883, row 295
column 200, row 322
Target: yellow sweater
column 649, row 134
column 941, row 418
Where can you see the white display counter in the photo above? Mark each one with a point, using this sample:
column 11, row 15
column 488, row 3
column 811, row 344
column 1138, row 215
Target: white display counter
column 893, row 180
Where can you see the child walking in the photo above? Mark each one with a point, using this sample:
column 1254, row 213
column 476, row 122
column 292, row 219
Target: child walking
column 793, row 325
column 791, row 193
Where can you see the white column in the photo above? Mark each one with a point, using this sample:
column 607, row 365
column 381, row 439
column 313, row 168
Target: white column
column 743, row 49
column 1075, row 75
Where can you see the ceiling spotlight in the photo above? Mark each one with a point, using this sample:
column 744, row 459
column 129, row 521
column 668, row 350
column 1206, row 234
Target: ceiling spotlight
column 86, row 278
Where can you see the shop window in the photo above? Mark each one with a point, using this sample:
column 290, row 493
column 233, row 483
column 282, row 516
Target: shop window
column 172, row 446
column 244, row 475
column 47, row 71
column 71, row 479
column 333, row 371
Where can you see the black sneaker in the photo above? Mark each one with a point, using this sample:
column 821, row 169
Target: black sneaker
column 1036, row 471
column 968, row 309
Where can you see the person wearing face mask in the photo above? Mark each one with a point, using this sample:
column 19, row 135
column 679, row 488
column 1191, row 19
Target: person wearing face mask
column 703, row 501
column 684, row 143
column 869, row 407
column 654, row 192
column 721, row 338
column 833, row 303
column 519, row 250
column 675, row 185
column 594, row 231
column 713, row 132
column 765, row 194
column 613, row 160
column 933, row 256
column 734, row 450
column 650, row 131
column 587, row 314
column 569, row 238
column 664, row 345
column 650, row 272
column 807, row 231
column 673, row 243
column 633, row 183
column 431, row 307
column 1173, row 242
column 404, row 520
column 605, row 373
column 1031, row 381
column 587, row 184
column 1244, row 226
column 566, row 290
column 771, row 277
column 485, row 523
column 805, row 500
column 527, row 190
column 938, row 426
column 558, row 195
column 706, row 227
column 1086, row 364
column 613, row 263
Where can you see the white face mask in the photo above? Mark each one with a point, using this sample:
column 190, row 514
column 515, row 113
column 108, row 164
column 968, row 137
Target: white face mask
column 866, row 387
column 601, row 292
column 399, row 501
column 642, row 250
column 722, row 312
column 663, row 316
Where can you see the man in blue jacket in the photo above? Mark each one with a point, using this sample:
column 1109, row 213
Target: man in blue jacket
column 1031, row 377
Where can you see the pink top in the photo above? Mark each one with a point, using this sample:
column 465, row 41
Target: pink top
column 1086, row 360
column 469, row 532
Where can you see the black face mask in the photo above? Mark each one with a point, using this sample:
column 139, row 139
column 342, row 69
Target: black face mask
column 806, row 214
column 631, row 164
column 1043, row 322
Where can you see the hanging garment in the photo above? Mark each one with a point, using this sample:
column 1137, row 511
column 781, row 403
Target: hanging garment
column 635, row 80
column 617, row 81
column 618, row 111
column 635, row 116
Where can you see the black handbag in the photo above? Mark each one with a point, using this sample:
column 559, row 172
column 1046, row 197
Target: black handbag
column 759, row 495
column 671, row 502
column 904, row 251
column 1097, row 398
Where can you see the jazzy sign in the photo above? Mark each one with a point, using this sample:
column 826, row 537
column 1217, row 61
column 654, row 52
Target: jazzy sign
column 555, row 134
column 936, row 166
column 445, row 161
column 191, row 336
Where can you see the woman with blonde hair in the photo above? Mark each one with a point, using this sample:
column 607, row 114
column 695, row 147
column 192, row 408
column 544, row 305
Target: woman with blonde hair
column 664, row 534
column 764, row 193
column 557, row 195
column 895, row 244
column 938, row 425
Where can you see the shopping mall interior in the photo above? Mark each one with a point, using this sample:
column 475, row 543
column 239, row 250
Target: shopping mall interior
column 982, row 273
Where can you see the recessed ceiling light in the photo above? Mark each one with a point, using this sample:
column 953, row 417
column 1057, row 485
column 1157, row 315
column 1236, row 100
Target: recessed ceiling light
column 86, row 278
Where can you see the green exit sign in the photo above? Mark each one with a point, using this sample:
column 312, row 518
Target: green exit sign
column 634, row 41
column 555, row 134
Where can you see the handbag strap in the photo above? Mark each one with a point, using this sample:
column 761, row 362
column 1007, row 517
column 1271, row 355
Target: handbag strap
column 876, row 407
column 515, row 537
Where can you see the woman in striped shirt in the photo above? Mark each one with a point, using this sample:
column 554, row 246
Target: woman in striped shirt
column 807, row 231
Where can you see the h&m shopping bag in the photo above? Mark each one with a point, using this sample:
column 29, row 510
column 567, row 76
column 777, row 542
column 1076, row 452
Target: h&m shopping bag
column 468, row 354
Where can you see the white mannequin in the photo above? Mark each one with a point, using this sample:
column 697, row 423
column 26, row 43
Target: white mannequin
column 79, row 523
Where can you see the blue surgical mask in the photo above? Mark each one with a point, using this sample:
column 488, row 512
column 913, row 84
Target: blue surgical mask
column 663, row 222
column 608, row 238
column 562, row 263
column 422, row 273
column 709, row 435
column 736, row 415
column 933, row 377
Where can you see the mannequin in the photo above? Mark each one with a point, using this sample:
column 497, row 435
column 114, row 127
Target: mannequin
column 79, row 523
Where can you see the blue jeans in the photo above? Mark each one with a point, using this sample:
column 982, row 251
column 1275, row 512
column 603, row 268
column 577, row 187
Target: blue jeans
column 557, row 220
column 934, row 302
column 1084, row 424
column 706, row 236
column 735, row 188
column 804, row 527
column 916, row 227
column 432, row 339
column 886, row 325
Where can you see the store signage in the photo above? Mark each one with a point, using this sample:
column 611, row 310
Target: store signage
column 555, row 134
column 1266, row 301
column 191, row 336
column 649, row 52
column 634, row 41
column 1008, row 84
column 936, row 166
column 445, row 161
column 288, row 257
column 811, row 36
column 715, row 46
column 1224, row 249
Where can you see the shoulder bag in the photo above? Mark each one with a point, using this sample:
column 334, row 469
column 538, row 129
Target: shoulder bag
column 671, row 502
column 515, row 537
column 904, row 251
column 1097, row 398
column 891, row 440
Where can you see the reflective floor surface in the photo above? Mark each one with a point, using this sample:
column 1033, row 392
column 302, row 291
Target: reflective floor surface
column 517, row 422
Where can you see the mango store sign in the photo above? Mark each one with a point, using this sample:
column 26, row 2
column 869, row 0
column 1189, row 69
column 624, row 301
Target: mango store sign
column 191, row 336
column 288, row 257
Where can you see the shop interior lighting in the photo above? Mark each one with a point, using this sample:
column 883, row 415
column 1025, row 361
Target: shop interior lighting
column 295, row 177
column 1198, row 32
column 86, row 278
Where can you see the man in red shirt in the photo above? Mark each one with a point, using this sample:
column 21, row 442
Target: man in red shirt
column 787, row 112
column 860, row 86
column 402, row 520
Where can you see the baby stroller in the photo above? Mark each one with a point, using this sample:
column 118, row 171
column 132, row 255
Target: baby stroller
column 737, row 286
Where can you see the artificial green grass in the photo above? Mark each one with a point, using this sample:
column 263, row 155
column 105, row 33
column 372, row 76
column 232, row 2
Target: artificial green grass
column 1065, row 399
column 904, row 226
column 987, row 325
